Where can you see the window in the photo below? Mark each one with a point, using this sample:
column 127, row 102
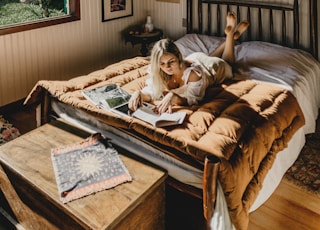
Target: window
column 70, row 12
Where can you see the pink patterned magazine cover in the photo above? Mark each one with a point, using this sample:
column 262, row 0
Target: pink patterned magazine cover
column 87, row 167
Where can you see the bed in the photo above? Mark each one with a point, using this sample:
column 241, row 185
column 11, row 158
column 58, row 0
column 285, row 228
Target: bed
column 232, row 149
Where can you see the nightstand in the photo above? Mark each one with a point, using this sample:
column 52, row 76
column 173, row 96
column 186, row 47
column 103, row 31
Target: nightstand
column 144, row 39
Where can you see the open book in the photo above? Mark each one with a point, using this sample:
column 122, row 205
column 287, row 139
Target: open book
column 159, row 120
column 113, row 98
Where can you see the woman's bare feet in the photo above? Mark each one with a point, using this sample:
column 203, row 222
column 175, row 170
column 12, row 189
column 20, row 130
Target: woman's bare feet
column 240, row 28
column 233, row 32
column 231, row 22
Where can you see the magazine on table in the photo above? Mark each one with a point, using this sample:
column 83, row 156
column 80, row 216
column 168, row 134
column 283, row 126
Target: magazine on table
column 113, row 98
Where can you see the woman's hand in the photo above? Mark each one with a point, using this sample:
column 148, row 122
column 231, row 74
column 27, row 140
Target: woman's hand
column 135, row 101
column 166, row 104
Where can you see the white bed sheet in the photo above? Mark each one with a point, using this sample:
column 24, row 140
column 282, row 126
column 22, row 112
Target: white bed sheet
column 292, row 69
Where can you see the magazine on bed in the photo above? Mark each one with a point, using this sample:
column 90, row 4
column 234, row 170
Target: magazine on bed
column 107, row 96
column 113, row 98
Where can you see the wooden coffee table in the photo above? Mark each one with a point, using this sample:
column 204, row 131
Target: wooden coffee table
column 29, row 185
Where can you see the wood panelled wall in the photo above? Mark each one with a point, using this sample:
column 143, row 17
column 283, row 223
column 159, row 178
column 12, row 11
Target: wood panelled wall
column 67, row 50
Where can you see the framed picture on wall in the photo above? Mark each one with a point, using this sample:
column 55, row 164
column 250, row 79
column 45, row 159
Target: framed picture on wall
column 114, row 9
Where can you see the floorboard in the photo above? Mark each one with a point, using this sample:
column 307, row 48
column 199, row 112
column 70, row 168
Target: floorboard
column 289, row 207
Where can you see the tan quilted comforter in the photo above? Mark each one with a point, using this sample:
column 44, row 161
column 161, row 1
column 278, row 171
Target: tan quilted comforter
column 244, row 123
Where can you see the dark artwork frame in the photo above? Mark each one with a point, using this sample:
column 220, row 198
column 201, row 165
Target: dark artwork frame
column 115, row 9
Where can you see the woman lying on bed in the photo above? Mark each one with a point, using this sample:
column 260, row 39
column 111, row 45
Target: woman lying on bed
column 178, row 81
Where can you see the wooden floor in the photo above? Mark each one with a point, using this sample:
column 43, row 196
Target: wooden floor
column 288, row 208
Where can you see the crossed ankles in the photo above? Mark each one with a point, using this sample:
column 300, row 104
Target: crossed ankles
column 240, row 29
column 236, row 30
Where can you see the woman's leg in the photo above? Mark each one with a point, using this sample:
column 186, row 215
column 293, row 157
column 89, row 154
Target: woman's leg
column 228, row 51
column 238, row 31
column 219, row 51
column 224, row 49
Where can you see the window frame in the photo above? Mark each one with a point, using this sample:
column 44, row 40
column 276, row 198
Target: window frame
column 74, row 6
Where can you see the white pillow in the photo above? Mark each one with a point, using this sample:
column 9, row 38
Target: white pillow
column 191, row 43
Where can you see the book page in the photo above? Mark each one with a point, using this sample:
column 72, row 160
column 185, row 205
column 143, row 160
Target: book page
column 115, row 97
column 165, row 119
column 96, row 95
column 122, row 110
column 107, row 97
column 146, row 115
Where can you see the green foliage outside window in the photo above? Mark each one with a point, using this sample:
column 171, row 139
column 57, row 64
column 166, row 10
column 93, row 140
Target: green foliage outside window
column 22, row 11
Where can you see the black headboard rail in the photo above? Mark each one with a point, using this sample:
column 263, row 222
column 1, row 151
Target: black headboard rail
column 313, row 8
column 289, row 19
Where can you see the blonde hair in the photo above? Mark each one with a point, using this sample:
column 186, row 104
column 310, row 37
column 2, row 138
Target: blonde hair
column 159, row 77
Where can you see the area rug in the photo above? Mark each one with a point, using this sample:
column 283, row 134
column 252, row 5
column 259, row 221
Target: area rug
column 305, row 172
column 87, row 167
column 7, row 131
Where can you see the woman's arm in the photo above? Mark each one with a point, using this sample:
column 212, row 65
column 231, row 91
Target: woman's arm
column 137, row 98
column 168, row 101
column 172, row 98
